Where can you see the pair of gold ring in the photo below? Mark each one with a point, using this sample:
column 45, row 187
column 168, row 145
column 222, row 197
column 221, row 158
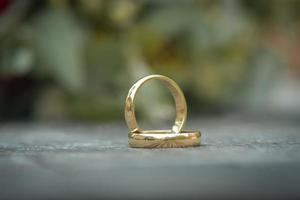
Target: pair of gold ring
column 175, row 137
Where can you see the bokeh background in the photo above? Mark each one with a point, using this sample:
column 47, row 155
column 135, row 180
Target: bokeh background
column 75, row 60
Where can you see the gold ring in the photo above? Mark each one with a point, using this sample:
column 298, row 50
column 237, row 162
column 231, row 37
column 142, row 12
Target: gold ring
column 176, row 137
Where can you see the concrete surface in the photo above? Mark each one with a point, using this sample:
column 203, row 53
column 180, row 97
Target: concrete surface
column 239, row 158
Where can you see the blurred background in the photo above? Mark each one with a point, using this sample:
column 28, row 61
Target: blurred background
column 76, row 60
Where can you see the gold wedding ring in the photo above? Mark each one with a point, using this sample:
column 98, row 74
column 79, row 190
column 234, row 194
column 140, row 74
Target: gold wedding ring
column 176, row 137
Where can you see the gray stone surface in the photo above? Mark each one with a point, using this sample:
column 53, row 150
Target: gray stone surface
column 238, row 158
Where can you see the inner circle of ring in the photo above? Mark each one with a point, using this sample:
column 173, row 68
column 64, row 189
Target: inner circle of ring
column 180, row 103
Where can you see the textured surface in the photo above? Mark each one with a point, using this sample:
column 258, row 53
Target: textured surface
column 237, row 158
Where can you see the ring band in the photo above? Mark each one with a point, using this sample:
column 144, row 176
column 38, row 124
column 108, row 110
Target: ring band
column 180, row 103
column 160, row 138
